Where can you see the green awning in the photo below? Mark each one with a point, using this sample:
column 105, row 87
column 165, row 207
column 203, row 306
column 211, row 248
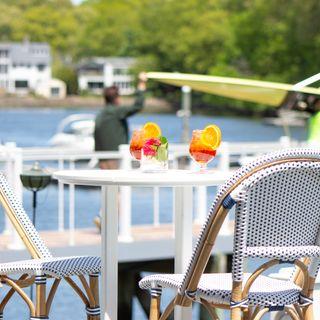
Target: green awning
column 264, row 92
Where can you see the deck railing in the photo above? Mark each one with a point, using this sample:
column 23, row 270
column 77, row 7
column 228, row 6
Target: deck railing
column 15, row 158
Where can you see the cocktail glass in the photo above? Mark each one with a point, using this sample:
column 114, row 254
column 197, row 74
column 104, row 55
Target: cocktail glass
column 151, row 162
column 201, row 153
column 136, row 143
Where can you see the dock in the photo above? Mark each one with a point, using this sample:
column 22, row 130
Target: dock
column 145, row 238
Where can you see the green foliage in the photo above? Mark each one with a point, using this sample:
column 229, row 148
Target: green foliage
column 273, row 40
column 68, row 75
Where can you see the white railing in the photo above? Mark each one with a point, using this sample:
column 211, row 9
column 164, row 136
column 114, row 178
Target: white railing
column 14, row 158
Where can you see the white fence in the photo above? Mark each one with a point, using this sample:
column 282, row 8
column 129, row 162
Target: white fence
column 15, row 158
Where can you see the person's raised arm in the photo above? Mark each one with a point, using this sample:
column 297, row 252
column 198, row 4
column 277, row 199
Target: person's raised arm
column 127, row 111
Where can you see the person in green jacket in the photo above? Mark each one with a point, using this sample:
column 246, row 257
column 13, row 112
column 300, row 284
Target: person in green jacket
column 111, row 126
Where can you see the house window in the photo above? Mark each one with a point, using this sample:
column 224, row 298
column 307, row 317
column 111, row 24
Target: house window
column 21, row 84
column 41, row 67
column 95, row 85
column 3, row 68
column 4, row 53
column 120, row 71
column 55, row 92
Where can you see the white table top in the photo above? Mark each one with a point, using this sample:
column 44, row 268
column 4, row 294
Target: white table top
column 137, row 178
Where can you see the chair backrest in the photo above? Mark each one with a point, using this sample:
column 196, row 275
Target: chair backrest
column 277, row 214
column 282, row 186
column 21, row 221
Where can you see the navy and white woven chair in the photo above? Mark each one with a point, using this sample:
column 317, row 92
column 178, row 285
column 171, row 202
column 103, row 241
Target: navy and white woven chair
column 277, row 217
column 44, row 265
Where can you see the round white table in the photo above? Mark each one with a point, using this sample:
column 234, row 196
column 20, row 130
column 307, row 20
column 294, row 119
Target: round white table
column 183, row 182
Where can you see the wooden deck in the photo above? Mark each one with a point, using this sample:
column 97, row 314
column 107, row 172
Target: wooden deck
column 148, row 243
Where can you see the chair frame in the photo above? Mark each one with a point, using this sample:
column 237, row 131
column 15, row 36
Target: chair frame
column 240, row 290
column 40, row 309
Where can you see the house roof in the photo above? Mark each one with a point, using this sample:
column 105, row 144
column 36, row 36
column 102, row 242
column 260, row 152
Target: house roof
column 98, row 62
column 27, row 52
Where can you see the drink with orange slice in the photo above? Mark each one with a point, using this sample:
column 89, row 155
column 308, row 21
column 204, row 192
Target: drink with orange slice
column 204, row 144
column 148, row 146
column 136, row 143
column 140, row 136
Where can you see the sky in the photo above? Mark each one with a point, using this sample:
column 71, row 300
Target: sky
column 77, row 1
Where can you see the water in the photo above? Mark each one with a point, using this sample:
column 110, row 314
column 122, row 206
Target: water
column 34, row 127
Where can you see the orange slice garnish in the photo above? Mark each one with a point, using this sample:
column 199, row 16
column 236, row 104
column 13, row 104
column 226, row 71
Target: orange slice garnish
column 211, row 136
column 151, row 130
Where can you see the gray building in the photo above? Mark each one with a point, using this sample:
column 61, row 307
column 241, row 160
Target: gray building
column 24, row 66
column 96, row 73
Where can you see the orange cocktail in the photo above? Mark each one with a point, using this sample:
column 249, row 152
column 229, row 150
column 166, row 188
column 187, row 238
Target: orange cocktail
column 200, row 152
column 140, row 136
column 137, row 143
column 204, row 144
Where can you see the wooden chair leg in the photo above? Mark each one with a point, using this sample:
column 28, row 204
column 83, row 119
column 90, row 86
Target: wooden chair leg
column 236, row 297
column 309, row 313
column 292, row 313
column 11, row 283
column 168, row 310
column 210, row 309
column 155, row 303
column 41, row 307
column 8, row 296
column 260, row 313
column 94, row 287
column 236, row 313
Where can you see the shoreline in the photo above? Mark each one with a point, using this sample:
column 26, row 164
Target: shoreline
column 152, row 105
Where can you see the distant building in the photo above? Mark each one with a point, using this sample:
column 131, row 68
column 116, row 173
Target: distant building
column 54, row 88
column 96, row 73
column 25, row 67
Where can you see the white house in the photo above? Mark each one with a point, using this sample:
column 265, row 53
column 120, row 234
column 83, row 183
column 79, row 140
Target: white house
column 53, row 88
column 96, row 73
column 24, row 67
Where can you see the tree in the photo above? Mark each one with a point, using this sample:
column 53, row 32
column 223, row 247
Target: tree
column 110, row 28
column 52, row 21
column 185, row 36
column 279, row 41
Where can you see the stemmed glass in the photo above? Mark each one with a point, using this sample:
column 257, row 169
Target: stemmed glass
column 136, row 143
column 201, row 153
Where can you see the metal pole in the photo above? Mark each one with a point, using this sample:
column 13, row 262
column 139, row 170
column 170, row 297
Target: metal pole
column 34, row 209
column 185, row 113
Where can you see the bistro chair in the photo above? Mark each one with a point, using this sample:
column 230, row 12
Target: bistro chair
column 44, row 266
column 277, row 206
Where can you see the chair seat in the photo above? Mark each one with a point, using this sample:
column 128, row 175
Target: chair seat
column 55, row 267
column 216, row 288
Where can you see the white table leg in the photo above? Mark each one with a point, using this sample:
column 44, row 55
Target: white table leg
column 109, row 255
column 125, row 214
column 183, row 205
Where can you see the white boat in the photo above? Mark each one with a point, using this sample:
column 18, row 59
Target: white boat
column 288, row 118
column 75, row 132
